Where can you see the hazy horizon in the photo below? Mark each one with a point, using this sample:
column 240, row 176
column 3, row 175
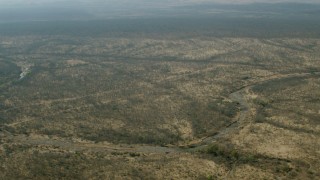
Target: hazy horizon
column 126, row 2
column 45, row 10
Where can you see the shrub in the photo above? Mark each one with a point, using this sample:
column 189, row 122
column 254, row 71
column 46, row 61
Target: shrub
column 260, row 118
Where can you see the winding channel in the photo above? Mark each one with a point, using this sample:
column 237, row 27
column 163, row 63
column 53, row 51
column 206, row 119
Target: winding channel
column 245, row 106
column 242, row 118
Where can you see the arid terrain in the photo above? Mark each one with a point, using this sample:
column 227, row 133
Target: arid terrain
column 159, row 108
